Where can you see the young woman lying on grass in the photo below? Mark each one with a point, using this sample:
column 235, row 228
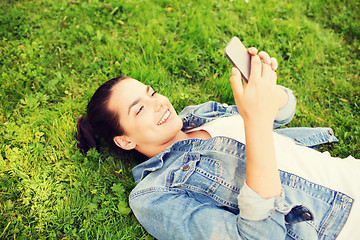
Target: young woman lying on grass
column 222, row 172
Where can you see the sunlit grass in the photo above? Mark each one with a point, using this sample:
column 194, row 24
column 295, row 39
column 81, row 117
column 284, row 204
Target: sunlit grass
column 54, row 54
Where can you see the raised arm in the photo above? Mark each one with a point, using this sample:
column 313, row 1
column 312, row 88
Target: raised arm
column 258, row 102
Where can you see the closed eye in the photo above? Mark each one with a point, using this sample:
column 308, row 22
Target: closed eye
column 140, row 109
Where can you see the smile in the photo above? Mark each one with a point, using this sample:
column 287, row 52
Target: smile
column 164, row 117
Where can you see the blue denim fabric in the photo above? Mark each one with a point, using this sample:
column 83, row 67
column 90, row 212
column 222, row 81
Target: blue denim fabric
column 195, row 189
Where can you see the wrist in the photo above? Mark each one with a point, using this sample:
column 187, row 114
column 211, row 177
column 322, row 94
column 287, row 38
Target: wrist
column 259, row 122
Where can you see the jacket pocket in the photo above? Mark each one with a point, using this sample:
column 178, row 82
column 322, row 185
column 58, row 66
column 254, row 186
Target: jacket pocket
column 200, row 174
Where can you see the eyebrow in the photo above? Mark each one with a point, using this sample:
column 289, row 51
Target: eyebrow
column 138, row 99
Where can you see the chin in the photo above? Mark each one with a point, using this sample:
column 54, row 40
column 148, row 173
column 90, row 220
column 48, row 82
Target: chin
column 179, row 122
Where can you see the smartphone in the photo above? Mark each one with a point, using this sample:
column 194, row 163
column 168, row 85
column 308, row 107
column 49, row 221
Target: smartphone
column 239, row 57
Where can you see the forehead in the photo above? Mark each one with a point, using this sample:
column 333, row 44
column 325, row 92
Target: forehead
column 124, row 93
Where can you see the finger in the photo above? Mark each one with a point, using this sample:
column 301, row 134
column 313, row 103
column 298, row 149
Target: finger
column 274, row 77
column 255, row 69
column 274, row 64
column 252, row 51
column 236, row 82
column 267, row 72
column 264, row 56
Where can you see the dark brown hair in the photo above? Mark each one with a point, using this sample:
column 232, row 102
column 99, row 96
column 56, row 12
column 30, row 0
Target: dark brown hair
column 99, row 121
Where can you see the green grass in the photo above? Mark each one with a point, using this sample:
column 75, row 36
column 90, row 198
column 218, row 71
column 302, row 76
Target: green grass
column 54, row 54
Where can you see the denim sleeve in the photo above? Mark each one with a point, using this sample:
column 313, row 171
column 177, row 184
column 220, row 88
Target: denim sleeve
column 286, row 114
column 176, row 215
column 255, row 208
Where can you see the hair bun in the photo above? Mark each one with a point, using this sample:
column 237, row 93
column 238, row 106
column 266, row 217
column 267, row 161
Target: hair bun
column 85, row 135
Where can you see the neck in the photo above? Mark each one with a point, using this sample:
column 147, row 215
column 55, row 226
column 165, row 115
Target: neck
column 151, row 151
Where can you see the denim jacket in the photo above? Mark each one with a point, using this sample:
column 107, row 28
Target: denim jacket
column 196, row 189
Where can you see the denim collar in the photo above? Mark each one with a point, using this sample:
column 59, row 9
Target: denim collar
column 216, row 144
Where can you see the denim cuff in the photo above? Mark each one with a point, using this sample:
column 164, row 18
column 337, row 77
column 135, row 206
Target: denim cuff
column 289, row 108
column 255, row 208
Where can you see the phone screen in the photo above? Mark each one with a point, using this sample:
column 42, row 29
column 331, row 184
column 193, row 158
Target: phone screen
column 239, row 56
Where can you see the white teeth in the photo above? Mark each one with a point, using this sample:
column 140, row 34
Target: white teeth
column 163, row 119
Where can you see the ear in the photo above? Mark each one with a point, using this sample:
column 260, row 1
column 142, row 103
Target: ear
column 124, row 142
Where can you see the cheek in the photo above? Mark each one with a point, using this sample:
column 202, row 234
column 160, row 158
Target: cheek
column 143, row 125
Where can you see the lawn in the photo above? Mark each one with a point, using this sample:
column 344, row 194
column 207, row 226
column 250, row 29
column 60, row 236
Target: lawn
column 54, row 54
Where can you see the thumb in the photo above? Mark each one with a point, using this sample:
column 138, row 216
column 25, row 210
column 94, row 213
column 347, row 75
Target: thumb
column 236, row 82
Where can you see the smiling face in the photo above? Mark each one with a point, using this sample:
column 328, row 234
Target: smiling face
column 149, row 120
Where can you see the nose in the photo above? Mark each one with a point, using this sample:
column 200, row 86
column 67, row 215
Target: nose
column 156, row 103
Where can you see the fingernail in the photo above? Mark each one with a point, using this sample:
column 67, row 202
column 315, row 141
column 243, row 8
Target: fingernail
column 233, row 71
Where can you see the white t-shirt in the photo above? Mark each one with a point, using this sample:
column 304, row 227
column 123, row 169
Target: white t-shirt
column 338, row 174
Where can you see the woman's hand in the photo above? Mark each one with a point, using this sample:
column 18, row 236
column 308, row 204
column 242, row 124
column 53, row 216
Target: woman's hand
column 264, row 57
column 260, row 98
column 258, row 102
